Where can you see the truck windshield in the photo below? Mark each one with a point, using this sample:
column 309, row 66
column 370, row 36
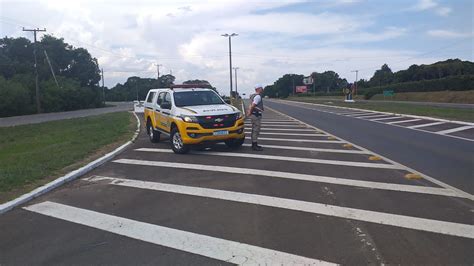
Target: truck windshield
column 190, row 98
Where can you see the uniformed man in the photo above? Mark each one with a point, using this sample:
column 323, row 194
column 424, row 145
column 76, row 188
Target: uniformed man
column 255, row 112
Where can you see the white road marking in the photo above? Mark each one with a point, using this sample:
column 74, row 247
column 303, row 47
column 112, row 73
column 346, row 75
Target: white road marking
column 289, row 134
column 452, row 130
column 281, row 158
column 348, row 113
column 458, row 191
column 386, row 118
column 371, row 116
column 295, row 176
column 287, row 129
column 207, row 246
column 357, row 114
column 403, row 221
column 304, row 140
column 284, row 126
column 403, row 121
column 278, row 123
column 309, row 149
column 426, row 125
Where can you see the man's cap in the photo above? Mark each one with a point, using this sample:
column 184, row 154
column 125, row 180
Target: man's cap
column 258, row 86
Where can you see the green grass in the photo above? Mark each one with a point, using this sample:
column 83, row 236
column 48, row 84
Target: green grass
column 432, row 96
column 401, row 108
column 32, row 155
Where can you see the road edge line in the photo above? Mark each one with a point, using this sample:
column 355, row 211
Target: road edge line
column 388, row 113
column 460, row 192
column 5, row 207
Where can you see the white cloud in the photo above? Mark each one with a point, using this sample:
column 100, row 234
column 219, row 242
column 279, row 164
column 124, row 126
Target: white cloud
column 129, row 38
column 423, row 5
column 443, row 11
column 448, row 34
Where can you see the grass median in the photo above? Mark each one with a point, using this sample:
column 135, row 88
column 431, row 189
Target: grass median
column 460, row 114
column 33, row 155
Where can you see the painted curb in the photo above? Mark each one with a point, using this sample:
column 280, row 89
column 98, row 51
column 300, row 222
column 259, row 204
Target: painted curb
column 70, row 176
column 387, row 113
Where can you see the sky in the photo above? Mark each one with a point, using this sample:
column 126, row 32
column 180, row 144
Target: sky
column 275, row 37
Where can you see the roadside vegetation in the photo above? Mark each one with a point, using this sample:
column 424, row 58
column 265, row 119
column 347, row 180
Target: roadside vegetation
column 33, row 155
column 449, row 75
column 460, row 114
column 432, row 96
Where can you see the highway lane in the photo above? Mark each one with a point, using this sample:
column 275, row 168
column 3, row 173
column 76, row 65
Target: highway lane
column 45, row 117
column 447, row 159
column 309, row 198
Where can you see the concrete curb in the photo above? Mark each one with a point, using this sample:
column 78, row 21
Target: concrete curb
column 70, row 176
column 387, row 113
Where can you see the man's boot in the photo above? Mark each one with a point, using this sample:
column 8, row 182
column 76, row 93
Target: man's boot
column 255, row 147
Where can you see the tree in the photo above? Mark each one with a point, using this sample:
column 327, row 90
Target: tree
column 201, row 82
column 328, row 81
column 284, row 86
column 382, row 76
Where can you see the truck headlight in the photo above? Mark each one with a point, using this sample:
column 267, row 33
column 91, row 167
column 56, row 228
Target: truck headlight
column 238, row 115
column 189, row 119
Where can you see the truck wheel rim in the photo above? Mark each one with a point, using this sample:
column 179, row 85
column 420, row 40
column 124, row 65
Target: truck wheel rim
column 150, row 129
column 177, row 142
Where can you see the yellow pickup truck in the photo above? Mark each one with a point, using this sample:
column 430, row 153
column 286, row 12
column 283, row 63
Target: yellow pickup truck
column 192, row 114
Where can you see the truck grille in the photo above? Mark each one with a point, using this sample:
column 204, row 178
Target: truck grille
column 210, row 122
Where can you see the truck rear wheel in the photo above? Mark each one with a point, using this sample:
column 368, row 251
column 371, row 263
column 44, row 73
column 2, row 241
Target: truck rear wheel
column 152, row 133
column 177, row 142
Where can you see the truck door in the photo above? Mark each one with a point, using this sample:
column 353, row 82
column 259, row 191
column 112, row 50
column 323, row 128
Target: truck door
column 149, row 109
column 166, row 106
column 158, row 115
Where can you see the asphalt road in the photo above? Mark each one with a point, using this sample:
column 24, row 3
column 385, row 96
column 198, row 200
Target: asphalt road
column 45, row 117
column 447, row 159
column 308, row 198
column 434, row 104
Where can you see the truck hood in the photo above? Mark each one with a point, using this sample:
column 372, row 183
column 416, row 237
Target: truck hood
column 201, row 110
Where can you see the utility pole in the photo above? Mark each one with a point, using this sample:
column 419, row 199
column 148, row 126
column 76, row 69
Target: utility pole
column 235, row 69
column 38, row 103
column 158, row 71
column 103, row 87
column 230, row 57
column 357, row 72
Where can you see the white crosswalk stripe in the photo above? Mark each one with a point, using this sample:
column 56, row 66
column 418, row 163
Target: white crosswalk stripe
column 295, row 176
column 211, row 247
column 426, row 125
column 268, row 146
column 282, row 158
column 372, row 116
column 283, row 126
column 434, row 226
column 290, row 134
column 453, row 130
column 304, row 140
column 287, row 129
column 386, row 118
column 403, row 121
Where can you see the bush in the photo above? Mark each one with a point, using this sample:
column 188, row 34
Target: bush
column 453, row 83
column 15, row 99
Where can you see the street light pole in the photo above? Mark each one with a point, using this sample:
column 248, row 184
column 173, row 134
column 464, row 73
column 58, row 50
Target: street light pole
column 230, row 57
column 357, row 72
column 235, row 69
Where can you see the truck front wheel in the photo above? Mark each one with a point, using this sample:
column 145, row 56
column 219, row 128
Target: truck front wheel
column 177, row 142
